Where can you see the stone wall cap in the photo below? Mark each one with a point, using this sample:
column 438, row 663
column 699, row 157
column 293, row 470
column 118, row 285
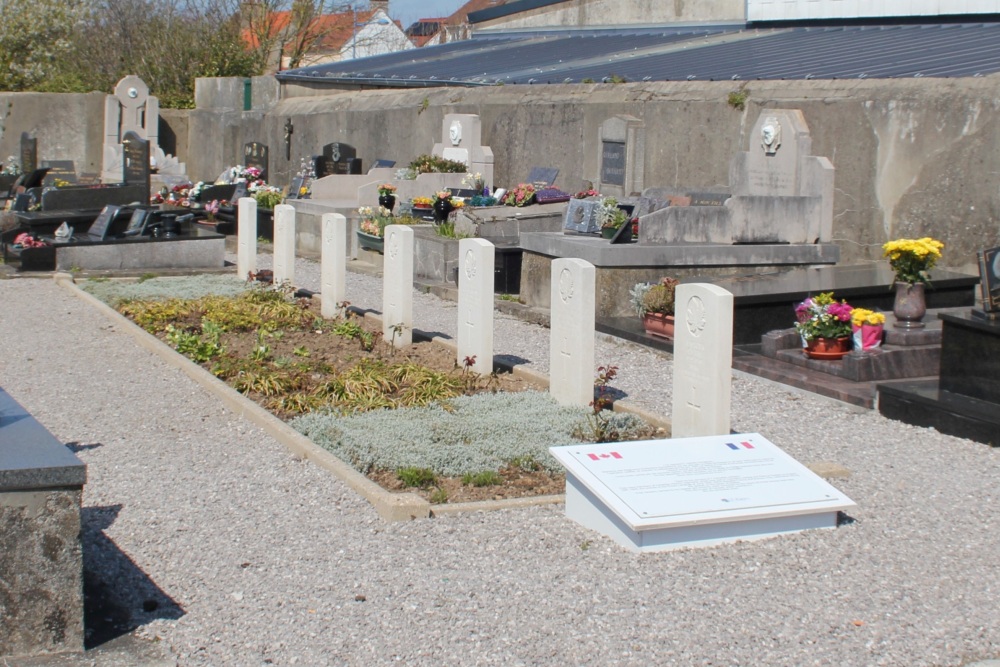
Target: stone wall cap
column 30, row 456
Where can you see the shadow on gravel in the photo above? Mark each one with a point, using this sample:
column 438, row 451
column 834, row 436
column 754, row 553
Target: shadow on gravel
column 79, row 447
column 118, row 597
column 509, row 360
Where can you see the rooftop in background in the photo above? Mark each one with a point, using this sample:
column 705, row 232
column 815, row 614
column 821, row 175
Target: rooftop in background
column 702, row 53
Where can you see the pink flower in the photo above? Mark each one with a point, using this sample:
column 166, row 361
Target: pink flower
column 841, row 311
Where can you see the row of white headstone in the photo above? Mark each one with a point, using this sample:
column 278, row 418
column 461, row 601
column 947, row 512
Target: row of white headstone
column 703, row 330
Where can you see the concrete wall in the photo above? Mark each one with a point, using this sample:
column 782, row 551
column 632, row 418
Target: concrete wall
column 913, row 157
column 68, row 127
column 599, row 13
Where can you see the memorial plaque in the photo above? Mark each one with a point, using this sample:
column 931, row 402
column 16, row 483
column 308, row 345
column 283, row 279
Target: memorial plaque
column 708, row 198
column 689, row 491
column 543, row 176
column 581, row 216
column 989, row 279
column 135, row 160
column 64, row 170
column 29, row 153
column 383, row 164
column 613, row 162
column 255, row 154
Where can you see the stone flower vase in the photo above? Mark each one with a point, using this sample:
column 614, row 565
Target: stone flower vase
column 387, row 201
column 658, row 324
column 910, row 305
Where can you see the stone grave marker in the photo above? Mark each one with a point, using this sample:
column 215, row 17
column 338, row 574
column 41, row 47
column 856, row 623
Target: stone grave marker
column 337, row 158
column 333, row 270
column 543, row 177
column 658, row 495
column 255, row 154
column 582, row 216
column 622, row 148
column 64, row 170
column 397, row 286
column 703, row 355
column 475, row 303
column 461, row 140
column 571, row 337
column 132, row 109
column 246, row 237
column 284, row 244
column 29, row 153
column 135, row 165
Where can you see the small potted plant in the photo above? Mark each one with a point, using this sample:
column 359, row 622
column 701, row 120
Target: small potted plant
column 371, row 230
column 612, row 218
column 654, row 303
column 911, row 261
column 443, row 205
column 868, row 328
column 422, row 203
column 825, row 326
column 387, row 196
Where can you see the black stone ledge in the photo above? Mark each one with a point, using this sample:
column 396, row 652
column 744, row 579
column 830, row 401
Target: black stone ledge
column 923, row 403
column 31, row 457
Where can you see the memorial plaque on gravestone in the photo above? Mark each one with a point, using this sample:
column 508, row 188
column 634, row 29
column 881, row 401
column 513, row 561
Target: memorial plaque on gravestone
column 383, row 164
column 135, row 160
column 581, row 216
column 989, row 279
column 338, row 158
column 29, row 153
column 708, row 198
column 293, row 189
column 542, row 176
column 613, row 162
column 255, row 154
column 64, row 170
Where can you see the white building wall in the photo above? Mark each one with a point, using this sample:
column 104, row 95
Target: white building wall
column 791, row 10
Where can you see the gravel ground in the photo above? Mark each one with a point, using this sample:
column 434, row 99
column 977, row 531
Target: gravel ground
column 259, row 558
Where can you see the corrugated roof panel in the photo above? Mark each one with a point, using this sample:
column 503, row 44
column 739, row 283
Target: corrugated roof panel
column 719, row 53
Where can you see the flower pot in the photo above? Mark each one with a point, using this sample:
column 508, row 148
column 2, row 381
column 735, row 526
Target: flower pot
column 658, row 324
column 830, row 349
column 442, row 207
column 388, row 202
column 608, row 232
column 370, row 242
column 910, row 305
column 867, row 336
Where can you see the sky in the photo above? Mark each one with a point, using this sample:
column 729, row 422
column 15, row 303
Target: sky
column 408, row 11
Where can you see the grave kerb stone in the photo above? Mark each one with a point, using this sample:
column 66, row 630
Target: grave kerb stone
column 397, row 286
column 571, row 341
column 284, row 244
column 246, row 237
column 333, row 270
column 475, row 303
column 703, row 354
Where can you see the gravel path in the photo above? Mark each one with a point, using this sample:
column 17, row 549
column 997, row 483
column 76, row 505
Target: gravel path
column 269, row 560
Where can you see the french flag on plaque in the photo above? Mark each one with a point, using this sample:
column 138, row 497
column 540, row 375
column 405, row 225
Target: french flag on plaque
column 742, row 445
column 608, row 455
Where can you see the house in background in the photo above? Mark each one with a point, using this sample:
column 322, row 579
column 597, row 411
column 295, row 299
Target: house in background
column 456, row 27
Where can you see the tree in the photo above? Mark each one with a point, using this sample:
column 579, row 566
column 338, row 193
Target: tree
column 35, row 37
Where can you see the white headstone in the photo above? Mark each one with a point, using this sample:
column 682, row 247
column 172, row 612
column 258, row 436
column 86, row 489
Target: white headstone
column 703, row 359
column 461, row 140
column 333, row 278
column 397, row 286
column 284, row 244
column 475, row 303
column 571, row 342
column 246, row 237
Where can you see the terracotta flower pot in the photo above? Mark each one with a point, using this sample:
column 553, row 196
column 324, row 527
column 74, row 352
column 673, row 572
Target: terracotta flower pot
column 829, row 349
column 658, row 324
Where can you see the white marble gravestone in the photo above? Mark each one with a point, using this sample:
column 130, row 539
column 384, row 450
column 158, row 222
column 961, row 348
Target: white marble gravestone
column 333, row 271
column 475, row 303
column 703, row 359
column 461, row 140
column 246, row 237
column 571, row 335
column 657, row 495
column 132, row 109
column 284, row 244
column 397, row 286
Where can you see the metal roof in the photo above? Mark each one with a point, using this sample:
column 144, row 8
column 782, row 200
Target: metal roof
column 681, row 53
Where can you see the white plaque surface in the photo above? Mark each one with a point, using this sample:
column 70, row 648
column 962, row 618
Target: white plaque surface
column 704, row 480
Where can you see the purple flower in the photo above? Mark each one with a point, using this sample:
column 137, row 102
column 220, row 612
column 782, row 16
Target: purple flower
column 841, row 311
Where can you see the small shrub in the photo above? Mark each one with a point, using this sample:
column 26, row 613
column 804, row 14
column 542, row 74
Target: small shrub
column 416, row 477
column 484, row 478
column 432, row 164
column 439, row 497
column 738, row 99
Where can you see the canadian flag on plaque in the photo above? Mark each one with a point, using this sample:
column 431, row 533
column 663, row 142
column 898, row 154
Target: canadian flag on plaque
column 607, row 455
